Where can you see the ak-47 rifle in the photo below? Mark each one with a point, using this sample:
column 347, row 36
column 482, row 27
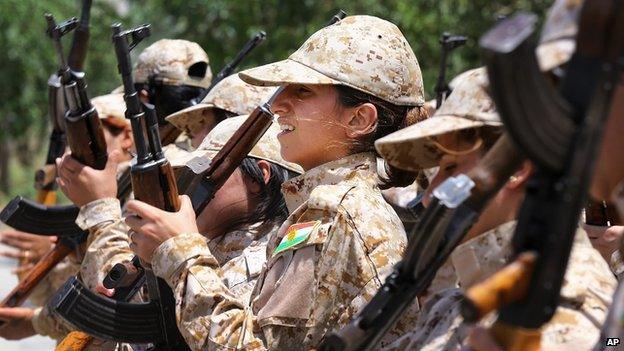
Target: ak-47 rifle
column 20, row 212
column 448, row 43
column 570, row 128
column 139, row 322
column 152, row 182
column 168, row 132
column 66, row 243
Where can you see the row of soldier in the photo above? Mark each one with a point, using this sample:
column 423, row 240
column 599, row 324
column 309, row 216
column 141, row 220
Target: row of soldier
column 300, row 237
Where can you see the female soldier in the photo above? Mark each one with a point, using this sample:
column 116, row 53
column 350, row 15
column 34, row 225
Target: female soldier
column 455, row 139
column 349, row 84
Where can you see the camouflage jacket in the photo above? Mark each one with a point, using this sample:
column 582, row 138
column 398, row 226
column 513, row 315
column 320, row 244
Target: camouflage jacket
column 585, row 296
column 326, row 261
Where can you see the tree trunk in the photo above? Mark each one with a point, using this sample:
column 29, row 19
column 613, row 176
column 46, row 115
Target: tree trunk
column 5, row 177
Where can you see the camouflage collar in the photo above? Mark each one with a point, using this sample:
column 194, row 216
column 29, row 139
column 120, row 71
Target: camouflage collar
column 353, row 168
column 483, row 255
column 232, row 244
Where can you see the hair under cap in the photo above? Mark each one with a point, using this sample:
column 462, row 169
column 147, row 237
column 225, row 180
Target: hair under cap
column 468, row 106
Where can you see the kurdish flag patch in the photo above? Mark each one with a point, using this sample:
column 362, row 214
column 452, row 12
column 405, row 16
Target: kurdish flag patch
column 296, row 234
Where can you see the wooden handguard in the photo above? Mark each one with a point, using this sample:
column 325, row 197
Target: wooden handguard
column 88, row 148
column 146, row 184
column 508, row 285
column 74, row 341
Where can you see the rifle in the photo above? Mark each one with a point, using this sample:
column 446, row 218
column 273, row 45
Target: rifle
column 12, row 212
column 138, row 322
column 152, row 182
column 456, row 205
column 448, row 43
column 556, row 192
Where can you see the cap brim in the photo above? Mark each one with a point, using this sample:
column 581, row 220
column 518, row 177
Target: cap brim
column 411, row 148
column 284, row 72
column 555, row 53
column 179, row 118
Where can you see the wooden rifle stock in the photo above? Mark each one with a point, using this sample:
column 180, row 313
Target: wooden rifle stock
column 75, row 341
column 508, row 285
column 156, row 186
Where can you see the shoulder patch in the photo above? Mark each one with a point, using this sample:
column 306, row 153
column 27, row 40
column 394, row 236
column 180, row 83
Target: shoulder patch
column 328, row 197
column 296, row 234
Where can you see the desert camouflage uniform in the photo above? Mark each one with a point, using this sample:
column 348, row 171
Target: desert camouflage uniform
column 305, row 290
column 585, row 296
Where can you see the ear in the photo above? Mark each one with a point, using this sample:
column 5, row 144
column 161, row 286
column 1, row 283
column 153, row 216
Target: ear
column 265, row 167
column 128, row 140
column 519, row 179
column 361, row 120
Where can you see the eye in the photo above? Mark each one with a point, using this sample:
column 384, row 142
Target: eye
column 303, row 91
column 449, row 167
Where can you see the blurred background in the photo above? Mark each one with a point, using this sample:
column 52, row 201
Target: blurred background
column 221, row 27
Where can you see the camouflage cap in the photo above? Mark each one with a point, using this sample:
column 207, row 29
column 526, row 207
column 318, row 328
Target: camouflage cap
column 362, row 52
column 268, row 148
column 112, row 109
column 176, row 62
column 557, row 42
column 469, row 106
column 231, row 94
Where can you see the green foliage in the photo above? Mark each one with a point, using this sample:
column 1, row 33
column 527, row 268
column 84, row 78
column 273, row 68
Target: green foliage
column 219, row 26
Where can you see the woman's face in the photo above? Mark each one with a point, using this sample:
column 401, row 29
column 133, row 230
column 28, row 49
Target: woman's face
column 452, row 165
column 312, row 122
column 122, row 141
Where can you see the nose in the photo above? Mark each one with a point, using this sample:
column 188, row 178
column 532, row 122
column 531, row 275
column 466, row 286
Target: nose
column 281, row 104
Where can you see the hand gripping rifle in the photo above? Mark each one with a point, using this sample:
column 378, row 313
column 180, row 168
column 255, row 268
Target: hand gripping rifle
column 560, row 134
column 448, row 43
column 67, row 242
column 152, row 182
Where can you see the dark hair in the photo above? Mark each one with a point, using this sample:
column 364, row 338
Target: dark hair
column 221, row 114
column 271, row 207
column 390, row 118
column 168, row 99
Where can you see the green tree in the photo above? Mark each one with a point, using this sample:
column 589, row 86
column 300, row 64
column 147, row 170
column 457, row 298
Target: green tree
column 221, row 27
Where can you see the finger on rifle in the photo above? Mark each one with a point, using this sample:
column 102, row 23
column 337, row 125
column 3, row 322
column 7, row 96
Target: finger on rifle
column 185, row 203
column 143, row 210
column 104, row 291
column 12, row 254
column 71, row 164
column 16, row 243
column 135, row 223
column 16, row 234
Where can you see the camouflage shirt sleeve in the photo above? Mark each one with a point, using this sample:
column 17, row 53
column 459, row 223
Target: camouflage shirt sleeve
column 108, row 242
column 208, row 314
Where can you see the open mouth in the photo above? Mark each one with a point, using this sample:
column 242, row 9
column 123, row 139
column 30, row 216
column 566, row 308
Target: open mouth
column 286, row 128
